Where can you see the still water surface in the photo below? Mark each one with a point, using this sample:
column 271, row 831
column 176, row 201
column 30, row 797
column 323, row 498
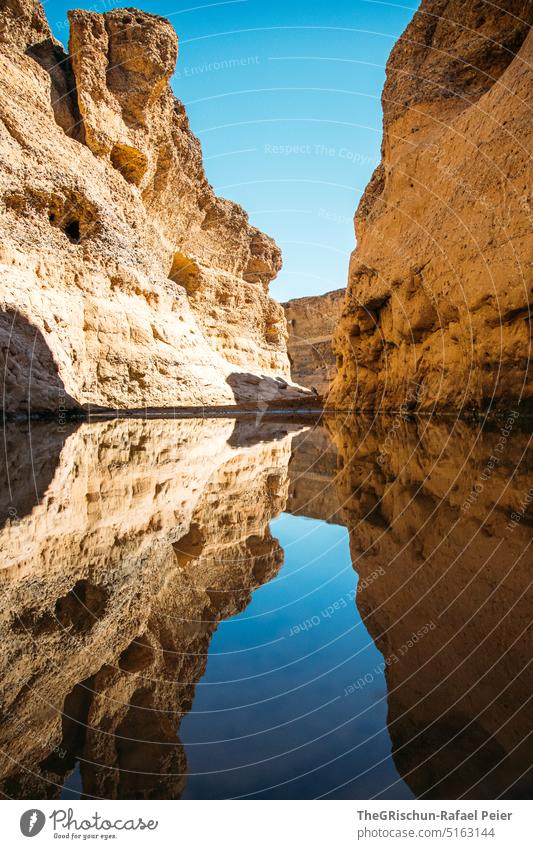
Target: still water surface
column 221, row 609
column 274, row 711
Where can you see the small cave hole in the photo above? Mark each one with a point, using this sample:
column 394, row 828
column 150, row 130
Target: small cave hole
column 137, row 656
column 72, row 231
column 69, row 226
column 190, row 546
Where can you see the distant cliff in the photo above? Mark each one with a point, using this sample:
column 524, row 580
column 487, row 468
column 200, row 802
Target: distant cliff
column 311, row 323
column 125, row 280
column 438, row 310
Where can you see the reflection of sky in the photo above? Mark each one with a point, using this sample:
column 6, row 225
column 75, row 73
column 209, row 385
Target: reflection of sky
column 261, row 677
column 285, row 99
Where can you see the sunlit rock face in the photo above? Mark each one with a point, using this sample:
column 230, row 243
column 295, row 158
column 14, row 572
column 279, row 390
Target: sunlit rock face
column 439, row 290
column 311, row 323
column 146, row 535
column 440, row 522
column 125, row 281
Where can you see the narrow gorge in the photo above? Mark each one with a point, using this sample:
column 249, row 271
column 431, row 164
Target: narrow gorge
column 254, row 549
column 145, row 536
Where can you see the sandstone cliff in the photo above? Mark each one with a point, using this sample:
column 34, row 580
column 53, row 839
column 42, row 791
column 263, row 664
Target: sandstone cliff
column 439, row 292
column 311, row 323
column 146, row 535
column 125, row 281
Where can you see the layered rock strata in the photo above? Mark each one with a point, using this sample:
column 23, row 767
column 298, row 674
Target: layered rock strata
column 126, row 281
column 438, row 308
column 311, row 323
column 145, row 537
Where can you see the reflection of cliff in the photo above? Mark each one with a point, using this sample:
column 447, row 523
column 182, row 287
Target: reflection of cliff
column 312, row 474
column 444, row 594
column 148, row 534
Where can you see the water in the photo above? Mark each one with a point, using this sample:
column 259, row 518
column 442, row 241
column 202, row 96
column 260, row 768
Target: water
column 271, row 711
column 220, row 609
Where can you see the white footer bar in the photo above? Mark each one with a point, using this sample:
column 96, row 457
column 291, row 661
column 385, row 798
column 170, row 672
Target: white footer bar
column 267, row 824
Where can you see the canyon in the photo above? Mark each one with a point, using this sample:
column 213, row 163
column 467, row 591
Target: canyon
column 438, row 307
column 126, row 282
column 128, row 543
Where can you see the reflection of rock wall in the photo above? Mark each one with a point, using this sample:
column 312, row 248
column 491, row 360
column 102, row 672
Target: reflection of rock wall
column 125, row 281
column 445, row 594
column 28, row 462
column 312, row 475
column 311, row 323
column 439, row 289
column 148, row 534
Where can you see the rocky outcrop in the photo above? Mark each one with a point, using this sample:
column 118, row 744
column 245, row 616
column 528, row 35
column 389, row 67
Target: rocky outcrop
column 125, row 281
column 440, row 524
column 311, row 323
column 439, row 292
column 145, row 536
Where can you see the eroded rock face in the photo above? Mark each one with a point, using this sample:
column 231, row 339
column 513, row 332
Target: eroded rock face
column 440, row 528
column 311, row 323
column 439, row 292
column 145, row 537
column 125, row 281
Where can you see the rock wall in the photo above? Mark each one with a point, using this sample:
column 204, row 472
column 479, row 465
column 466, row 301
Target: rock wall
column 311, row 324
column 125, row 281
column 439, row 292
column 145, row 536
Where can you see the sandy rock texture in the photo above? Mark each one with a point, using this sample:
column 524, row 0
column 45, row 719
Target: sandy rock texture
column 440, row 522
column 311, row 323
column 144, row 535
column 439, row 292
column 125, row 281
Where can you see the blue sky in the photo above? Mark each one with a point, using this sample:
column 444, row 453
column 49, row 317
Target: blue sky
column 285, row 98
